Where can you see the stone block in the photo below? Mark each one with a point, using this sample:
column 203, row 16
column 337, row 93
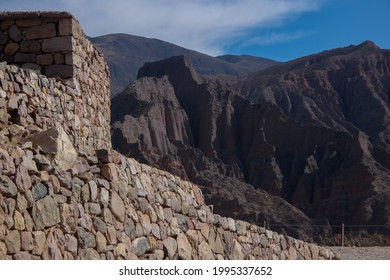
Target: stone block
column 30, row 46
column 15, row 33
column 40, row 32
column 65, row 27
column 44, row 59
column 11, row 48
column 12, row 241
column 6, row 24
column 63, row 71
column 45, row 213
column 58, row 44
column 25, row 57
column 27, row 22
column 59, row 58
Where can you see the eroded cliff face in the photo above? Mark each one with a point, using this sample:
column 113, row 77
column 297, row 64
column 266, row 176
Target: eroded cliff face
column 311, row 131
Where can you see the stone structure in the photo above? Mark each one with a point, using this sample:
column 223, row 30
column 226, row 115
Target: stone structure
column 55, row 45
column 64, row 194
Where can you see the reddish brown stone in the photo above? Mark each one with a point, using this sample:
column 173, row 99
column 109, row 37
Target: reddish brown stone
column 11, row 48
column 59, row 58
column 23, row 179
column 58, row 44
column 45, row 59
column 41, row 32
column 30, row 46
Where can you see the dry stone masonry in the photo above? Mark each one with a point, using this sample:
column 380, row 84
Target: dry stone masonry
column 65, row 194
column 54, row 44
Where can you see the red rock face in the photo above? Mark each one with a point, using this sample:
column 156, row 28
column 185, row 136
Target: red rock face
column 311, row 131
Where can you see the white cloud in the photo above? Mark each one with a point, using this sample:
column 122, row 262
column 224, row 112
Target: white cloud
column 202, row 25
column 275, row 38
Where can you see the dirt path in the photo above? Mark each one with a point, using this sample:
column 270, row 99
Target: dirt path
column 362, row 253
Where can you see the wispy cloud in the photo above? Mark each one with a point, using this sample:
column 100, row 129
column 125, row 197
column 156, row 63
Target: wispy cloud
column 275, row 38
column 199, row 24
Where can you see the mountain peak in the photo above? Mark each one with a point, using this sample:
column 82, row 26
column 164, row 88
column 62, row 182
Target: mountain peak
column 179, row 70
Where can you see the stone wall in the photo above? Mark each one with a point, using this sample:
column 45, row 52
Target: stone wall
column 64, row 194
column 112, row 207
column 55, row 45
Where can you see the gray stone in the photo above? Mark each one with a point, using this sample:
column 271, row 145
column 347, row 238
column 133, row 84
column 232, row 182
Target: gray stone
column 94, row 208
column 264, row 241
column 45, row 213
column 140, row 246
column 181, row 221
column 7, row 187
column 100, row 225
column 15, row 33
column 130, row 228
column 232, row 224
column 86, row 239
column 71, row 243
column 12, row 241
column 241, row 227
column 39, row 191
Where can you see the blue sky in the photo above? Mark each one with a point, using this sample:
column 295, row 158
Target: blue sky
column 277, row 29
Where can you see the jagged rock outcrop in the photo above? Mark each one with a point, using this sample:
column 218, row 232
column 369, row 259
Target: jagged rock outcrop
column 312, row 131
column 174, row 120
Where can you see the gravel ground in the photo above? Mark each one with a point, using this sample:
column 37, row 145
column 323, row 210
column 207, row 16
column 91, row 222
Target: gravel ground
column 362, row 253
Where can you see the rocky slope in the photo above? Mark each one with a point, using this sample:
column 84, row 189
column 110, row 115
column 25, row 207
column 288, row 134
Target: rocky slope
column 311, row 131
column 125, row 54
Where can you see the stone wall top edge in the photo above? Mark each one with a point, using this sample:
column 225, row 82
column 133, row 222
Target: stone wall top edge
column 31, row 14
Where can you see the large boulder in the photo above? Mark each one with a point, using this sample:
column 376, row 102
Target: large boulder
column 56, row 143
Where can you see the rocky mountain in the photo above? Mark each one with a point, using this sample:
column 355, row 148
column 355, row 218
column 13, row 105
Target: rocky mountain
column 125, row 54
column 312, row 133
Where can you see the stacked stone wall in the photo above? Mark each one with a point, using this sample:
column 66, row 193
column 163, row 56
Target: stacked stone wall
column 64, row 194
column 54, row 44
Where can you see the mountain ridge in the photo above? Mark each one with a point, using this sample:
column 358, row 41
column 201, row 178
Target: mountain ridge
column 125, row 54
